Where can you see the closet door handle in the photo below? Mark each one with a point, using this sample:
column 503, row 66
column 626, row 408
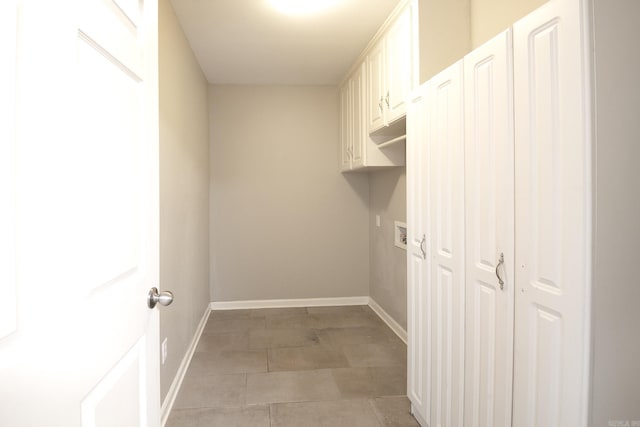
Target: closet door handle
column 387, row 100
column 422, row 242
column 380, row 104
column 500, row 262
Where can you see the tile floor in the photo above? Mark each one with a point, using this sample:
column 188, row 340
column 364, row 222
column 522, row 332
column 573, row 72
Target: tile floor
column 295, row 367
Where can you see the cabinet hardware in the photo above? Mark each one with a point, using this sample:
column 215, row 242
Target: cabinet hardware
column 500, row 262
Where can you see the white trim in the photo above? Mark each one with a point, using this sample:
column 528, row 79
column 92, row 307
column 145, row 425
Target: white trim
column 283, row 303
column 170, row 399
column 315, row 302
column 390, row 321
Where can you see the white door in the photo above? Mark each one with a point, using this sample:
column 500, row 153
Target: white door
column 376, row 80
column 445, row 153
column 399, row 65
column 418, row 258
column 489, row 212
column 84, row 349
column 553, row 222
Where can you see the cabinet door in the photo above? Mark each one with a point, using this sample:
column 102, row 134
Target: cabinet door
column 399, row 68
column 376, row 77
column 418, row 258
column 489, row 212
column 445, row 151
column 345, row 126
column 359, row 133
column 553, row 218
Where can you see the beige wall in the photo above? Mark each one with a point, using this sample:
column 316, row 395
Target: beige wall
column 616, row 293
column 490, row 17
column 388, row 263
column 444, row 34
column 285, row 223
column 184, row 177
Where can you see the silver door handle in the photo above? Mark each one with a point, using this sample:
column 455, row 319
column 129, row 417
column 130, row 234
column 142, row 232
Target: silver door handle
column 163, row 298
column 387, row 100
column 422, row 242
column 500, row 262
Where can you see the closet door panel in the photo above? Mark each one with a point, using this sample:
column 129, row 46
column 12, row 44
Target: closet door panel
column 489, row 209
column 552, row 218
column 418, row 259
column 446, row 188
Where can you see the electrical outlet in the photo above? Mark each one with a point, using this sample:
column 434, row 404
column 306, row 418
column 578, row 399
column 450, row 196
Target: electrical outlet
column 377, row 220
column 164, row 350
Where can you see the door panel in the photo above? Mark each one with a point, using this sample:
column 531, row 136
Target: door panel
column 489, row 208
column 376, row 64
column 445, row 153
column 418, row 258
column 552, row 218
column 345, row 126
column 85, row 350
column 399, row 64
column 358, row 107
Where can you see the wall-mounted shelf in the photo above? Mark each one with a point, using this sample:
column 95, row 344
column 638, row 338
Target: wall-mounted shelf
column 393, row 141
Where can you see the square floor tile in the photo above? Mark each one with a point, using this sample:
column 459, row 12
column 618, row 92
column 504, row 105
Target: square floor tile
column 285, row 311
column 305, row 358
column 209, row 391
column 228, row 362
column 394, row 412
column 341, row 413
column 276, row 338
column 306, row 321
column 362, row 355
column 339, row 337
column 371, row 382
column 337, row 310
column 248, row 416
column 218, row 342
column 215, row 325
column 298, row 386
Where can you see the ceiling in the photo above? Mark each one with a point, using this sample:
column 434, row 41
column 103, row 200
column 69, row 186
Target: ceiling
column 250, row 42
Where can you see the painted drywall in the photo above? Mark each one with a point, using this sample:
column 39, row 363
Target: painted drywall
column 285, row 223
column 184, row 181
column 490, row 17
column 616, row 292
column 388, row 263
column 445, row 34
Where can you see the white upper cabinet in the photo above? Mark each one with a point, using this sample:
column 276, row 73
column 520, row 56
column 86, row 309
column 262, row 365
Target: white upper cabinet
column 401, row 76
column 392, row 70
column 373, row 95
column 376, row 90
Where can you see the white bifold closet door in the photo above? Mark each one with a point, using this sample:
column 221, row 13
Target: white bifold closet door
column 418, row 258
column 553, row 217
column 489, row 211
column 445, row 163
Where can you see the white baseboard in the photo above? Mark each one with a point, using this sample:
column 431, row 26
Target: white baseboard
column 285, row 303
column 386, row 318
column 170, row 399
column 314, row 302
